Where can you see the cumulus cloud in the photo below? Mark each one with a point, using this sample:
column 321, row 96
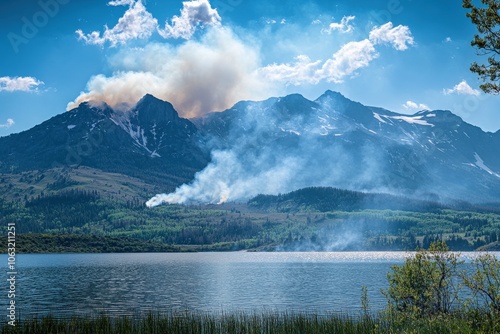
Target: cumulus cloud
column 462, row 88
column 24, row 84
column 414, row 105
column 7, row 124
column 400, row 37
column 136, row 23
column 296, row 73
column 343, row 26
column 193, row 14
column 344, row 63
column 196, row 77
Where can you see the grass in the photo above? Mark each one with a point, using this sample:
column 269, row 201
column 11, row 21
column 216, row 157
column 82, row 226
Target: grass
column 261, row 323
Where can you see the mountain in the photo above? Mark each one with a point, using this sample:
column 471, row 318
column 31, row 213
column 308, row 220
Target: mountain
column 430, row 154
column 149, row 142
column 274, row 146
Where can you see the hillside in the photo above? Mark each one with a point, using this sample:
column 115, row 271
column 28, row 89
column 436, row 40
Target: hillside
column 79, row 215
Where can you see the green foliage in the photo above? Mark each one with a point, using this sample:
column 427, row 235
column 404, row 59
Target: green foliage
column 487, row 20
column 240, row 226
column 365, row 302
column 485, row 281
column 424, row 284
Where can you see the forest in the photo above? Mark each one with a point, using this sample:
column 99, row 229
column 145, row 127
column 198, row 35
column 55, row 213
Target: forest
column 311, row 219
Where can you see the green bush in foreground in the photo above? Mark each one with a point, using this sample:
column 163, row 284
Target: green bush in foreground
column 424, row 284
column 425, row 291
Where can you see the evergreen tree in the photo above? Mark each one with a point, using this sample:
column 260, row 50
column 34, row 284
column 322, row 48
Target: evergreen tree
column 487, row 42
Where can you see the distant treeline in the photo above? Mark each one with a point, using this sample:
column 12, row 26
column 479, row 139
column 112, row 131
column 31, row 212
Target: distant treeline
column 325, row 199
column 77, row 243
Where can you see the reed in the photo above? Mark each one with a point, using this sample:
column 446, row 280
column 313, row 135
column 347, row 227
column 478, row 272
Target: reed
column 254, row 323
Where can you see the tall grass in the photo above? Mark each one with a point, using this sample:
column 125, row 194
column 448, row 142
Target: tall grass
column 253, row 323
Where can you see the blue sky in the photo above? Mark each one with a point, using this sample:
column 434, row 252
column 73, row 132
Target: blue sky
column 202, row 56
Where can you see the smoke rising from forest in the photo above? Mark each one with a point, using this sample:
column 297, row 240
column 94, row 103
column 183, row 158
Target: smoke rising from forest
column 268, row 153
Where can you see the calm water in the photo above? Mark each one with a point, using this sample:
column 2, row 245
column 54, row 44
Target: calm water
column 67, row 284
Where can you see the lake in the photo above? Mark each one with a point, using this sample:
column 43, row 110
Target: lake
column 128, row 284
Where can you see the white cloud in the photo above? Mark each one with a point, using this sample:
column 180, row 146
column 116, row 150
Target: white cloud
column 414, row 105
column 8, row 124
column 24, row 84
column 345, row 62
column 136, row 23
column 351, row 57
column 317, row 21
column 462, row 88
column 301, row 71
column 448, row 40
column 196, row 77
column 193, row 14
column 343, row 26
column 121, row 2
column 400, row 37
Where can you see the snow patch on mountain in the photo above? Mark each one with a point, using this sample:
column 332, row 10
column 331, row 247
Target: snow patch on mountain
column 378, row 117
column 135, row 132
column 480, row 163
column 412, row 120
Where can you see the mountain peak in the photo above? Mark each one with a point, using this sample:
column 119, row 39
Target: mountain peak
column 334, row 99
column 150, row 109
column 332, row 95
column 293, row 97
column 295, row 103
column 151, row 99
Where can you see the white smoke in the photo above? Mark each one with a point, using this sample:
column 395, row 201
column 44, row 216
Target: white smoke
column 196, row 77
column 259, row 163
column 232, row 177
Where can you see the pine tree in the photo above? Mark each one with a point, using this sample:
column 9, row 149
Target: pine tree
column 487, row 42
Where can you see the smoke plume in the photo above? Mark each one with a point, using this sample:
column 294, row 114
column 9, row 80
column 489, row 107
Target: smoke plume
column 267, row 154
column 196, row 77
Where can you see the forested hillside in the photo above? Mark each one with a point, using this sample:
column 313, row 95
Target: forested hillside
column 309, row 219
